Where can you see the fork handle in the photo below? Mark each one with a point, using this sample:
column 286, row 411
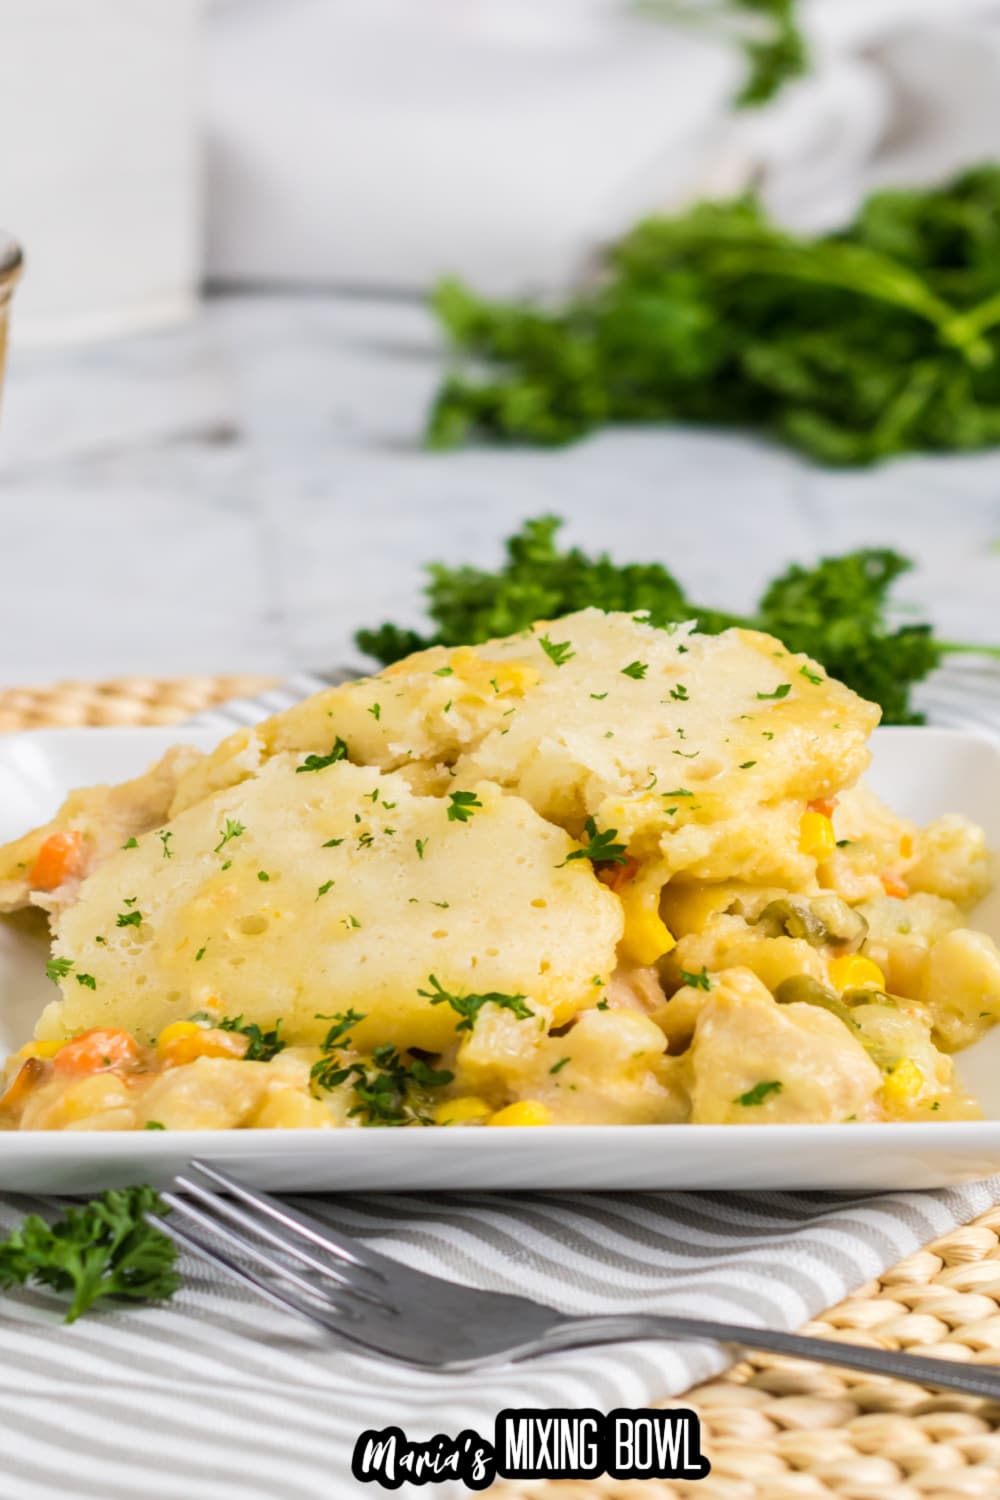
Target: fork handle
column 976, row 1380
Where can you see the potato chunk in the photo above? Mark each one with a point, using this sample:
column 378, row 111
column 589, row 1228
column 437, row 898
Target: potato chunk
column 753, row 1061
column 298, row 895
column 960, row 984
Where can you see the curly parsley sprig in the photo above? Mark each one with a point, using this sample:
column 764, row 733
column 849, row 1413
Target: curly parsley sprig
column 104, row 1249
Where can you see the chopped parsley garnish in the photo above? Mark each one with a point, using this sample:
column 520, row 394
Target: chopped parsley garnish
column 781, row 691
column 58, row 968
column 232, row 830
column 164, row 837
column 461, row 806
column 389, row 1089
column 199, row 955
column 129, row 919
column 326, row 886
column 602, row 1005
column 263, row 1044
column 747, row 765
column 375, row 709
column 103, row 1249
column 444, row 672
column 421, row 845
column 263, row 876
column 87, row 980
column 132, row 843
column 320, row 762
column 332, row 843
column 679, row 693
column 154, row 1125
column 759, row 1092
column 351, row 921
column 810, row 676
column 469, row 1006
column 599, row 697
column 558, row 1067
column 365, row 840
column 558, row 652
column 636, row 669
column 600, row 848
column 697, row 981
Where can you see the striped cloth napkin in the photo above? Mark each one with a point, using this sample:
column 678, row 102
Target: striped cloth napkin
column 218, row 1396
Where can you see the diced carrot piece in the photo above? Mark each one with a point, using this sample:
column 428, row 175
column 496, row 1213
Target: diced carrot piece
column 824, row 805
column 98, row 1051
column 616, row 877
column 59, row 859
column 893, row 886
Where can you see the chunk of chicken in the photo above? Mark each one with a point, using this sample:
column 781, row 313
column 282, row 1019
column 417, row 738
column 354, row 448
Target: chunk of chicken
column 753, row 1061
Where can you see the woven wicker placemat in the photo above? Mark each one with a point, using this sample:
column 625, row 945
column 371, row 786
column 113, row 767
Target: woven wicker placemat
column 774, row 1429
column 120, row 701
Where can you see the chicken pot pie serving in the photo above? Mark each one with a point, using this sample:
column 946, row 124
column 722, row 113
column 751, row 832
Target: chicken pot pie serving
column 595, row 872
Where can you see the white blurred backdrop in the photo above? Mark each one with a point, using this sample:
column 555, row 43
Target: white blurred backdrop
column 149, row 145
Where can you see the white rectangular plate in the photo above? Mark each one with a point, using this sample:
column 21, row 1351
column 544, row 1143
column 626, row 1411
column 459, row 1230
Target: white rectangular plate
column 921, row 772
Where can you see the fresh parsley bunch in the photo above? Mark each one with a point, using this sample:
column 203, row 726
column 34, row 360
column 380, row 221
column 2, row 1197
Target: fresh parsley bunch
column 836, row 612
column 104, row 1249
column 852, row 347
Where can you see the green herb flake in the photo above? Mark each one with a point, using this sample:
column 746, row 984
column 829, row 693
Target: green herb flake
column 636, row 670
column 232, row 830
column 129, row 919
column 759, row 1093
column 558, row 652
column 558, row 1067
column 320, row 762
column 132, row 843
column 600, row 848
column 469, row 1006
column 58, row 968
column 87, row 980
column 700, row 981
column 461, row 806
column 326, row 886
column 164, row 837
column 781, row 691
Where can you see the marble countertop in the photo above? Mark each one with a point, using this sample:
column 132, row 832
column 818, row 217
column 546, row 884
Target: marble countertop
column 244, row 492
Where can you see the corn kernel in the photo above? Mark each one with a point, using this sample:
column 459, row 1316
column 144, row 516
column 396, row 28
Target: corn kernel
column 40, row 1049
column 903, row 1084
column 646, row 937
column 906, row 846
column 184, row 1041
column 461, row 1111
column 287, row 1109
column 525, row 1112
column 816, row 835
column 491, row 677
column 855, row 972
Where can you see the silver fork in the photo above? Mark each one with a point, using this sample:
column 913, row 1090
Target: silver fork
column 384, row 1308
